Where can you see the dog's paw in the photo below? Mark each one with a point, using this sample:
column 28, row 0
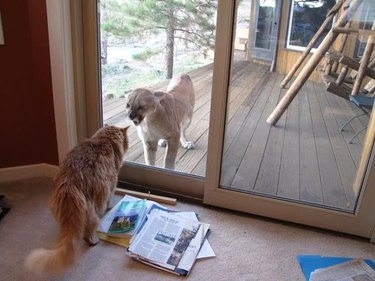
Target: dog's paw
column 162, row 143
column 188, row 145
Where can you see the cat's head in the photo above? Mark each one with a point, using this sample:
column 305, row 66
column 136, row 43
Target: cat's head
column 115, row 134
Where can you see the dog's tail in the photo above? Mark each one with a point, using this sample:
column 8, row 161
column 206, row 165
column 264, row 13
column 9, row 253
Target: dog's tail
column 69, row 209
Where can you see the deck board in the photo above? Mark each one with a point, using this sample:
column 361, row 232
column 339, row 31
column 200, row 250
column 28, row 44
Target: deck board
column 268, row 176
column 334, row 193
column 289, row 176
column 305, row 157
column 247, row 172
column 238, row 144
column 310, row 185
column 344, row 161
column 347, row 111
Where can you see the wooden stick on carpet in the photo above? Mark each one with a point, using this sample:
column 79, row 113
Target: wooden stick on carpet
column 153, row 197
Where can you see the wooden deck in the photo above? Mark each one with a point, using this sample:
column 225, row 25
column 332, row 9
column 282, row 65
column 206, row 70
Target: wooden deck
column 305, row 157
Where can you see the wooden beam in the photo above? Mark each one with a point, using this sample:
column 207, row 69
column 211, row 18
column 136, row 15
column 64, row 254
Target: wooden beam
column 313, row 62
column 340, row 50
column 153, row 197
column 342, row 91
column 357, row 65
column 363, row 69
column 365, row 63
column 331, row 14
column 353, row 64
column 342, row 75
column 345, row 30
column 370, row 87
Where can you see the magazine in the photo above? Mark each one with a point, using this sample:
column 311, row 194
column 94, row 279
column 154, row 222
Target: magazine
column 169, row 241
column 124, row 219
column 127, row 217
column 106, row 221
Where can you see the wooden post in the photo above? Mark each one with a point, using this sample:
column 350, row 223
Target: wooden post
column 363, row 66
column 365, row 62
column 365, row 32
column 331, row 14
column 311, row 65
column 340, row 50
column 342, row 75
column 370, row 87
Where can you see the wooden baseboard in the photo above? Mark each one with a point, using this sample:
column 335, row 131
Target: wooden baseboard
column 28, row 171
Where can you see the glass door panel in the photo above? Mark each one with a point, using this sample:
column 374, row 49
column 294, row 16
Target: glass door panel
column 143, row 45
column 304, row 169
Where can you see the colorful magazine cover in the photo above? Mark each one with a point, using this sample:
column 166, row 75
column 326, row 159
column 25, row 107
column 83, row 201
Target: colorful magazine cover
column 127, row 217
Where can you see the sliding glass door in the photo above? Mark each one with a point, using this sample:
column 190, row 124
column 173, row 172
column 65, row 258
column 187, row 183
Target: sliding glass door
column 304, row 169
column 301, row 170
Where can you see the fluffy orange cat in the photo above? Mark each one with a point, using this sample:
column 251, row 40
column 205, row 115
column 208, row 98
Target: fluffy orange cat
column 83, row 187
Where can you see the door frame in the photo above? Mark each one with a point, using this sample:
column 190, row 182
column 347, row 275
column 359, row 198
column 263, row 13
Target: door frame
column 360, row 223
column 259, row 53
column 59, row 36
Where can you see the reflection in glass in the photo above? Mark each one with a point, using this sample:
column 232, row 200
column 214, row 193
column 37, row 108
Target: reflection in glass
column 265, row 23
column 306, row 19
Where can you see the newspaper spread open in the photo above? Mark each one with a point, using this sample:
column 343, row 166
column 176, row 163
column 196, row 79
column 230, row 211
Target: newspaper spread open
column 169, row 241
column 356, row 270
column 205, row 250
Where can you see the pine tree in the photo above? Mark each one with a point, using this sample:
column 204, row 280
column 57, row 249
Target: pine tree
column 188, row 20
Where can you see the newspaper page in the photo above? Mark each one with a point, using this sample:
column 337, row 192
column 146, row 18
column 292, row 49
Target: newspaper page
column 196, row 248
column 205, row 250
column 164, row 239
column 188, row 259
column 353, row 270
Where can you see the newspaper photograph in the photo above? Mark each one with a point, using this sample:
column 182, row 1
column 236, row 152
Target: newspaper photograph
column 188, row 259
column 164, row 238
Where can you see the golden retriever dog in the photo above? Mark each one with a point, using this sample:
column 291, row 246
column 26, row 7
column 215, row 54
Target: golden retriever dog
column 163, row 117
column 83, row 186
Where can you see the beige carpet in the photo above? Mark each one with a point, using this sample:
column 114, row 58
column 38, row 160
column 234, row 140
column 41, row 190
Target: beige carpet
column 247, row 247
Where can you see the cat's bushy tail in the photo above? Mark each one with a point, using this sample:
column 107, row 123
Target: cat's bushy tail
column 69, row 209
column 52, row 260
